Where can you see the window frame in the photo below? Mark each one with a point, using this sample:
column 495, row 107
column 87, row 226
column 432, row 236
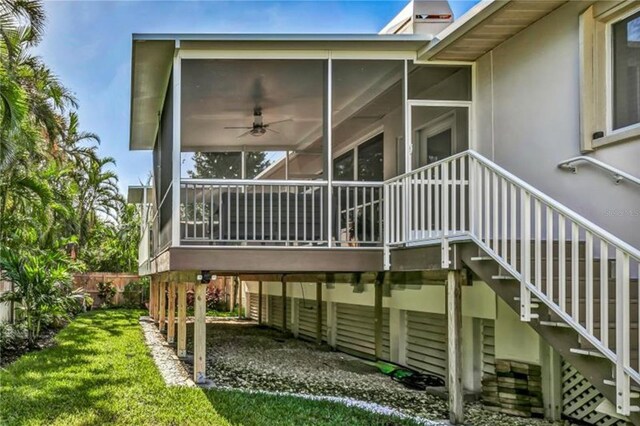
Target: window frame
column 353, row 147
column 596, row 73
column 442, row 123
column 609, row 74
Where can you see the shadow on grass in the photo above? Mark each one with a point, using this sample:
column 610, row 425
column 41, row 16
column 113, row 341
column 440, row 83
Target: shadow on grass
column 47, row 384
column 101, row 373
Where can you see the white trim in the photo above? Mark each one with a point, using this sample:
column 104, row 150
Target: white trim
column 438, row 103
column 329, row 153
column 609, row 74
column 473, row 110
column 406, row 113
column 382, row 55
column 176, row 148
column 254, row 54
column 298, row 54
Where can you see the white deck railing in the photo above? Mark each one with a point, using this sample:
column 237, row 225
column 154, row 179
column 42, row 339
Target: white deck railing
column 280, row 213
column 581, row 272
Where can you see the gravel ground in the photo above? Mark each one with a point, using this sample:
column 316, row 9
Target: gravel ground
column 241, row 355
column 168, row 363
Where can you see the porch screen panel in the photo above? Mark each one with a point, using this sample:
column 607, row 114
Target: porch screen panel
column 444, row 83
column 164, row 169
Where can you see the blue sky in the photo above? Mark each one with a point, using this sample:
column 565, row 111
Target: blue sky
column 88, row 45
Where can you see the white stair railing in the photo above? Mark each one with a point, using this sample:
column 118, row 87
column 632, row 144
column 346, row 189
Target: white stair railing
column 581, row 272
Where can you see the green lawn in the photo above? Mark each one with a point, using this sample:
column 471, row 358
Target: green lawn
column 101, row 373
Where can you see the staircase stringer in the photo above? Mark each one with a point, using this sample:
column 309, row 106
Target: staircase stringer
column 596, row 370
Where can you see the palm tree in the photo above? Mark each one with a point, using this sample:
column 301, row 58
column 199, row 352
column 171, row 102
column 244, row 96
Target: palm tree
column 98, row 195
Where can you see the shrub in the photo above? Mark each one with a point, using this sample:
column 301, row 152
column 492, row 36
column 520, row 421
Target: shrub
column 41, row 287
column 106, row 293
column 13, row 336
column 135, row 293
column 215, row 301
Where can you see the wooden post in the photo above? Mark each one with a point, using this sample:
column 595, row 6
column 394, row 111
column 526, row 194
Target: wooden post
column 377, row 312
column 284, row 306
column 454, row 357
column 171, row 327
column 157, row 304
column 240, row 292
column 319, row 313
column 200, row 334
column 163, row 306
column 151, row 297
column 259, row 302
column 182, row 320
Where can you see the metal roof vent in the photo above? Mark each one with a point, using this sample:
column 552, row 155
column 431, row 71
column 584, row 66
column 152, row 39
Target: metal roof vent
column 427, row 17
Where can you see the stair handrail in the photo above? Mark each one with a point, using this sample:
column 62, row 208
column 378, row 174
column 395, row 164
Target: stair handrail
column 617, row 174
column 559, row 207
column 521, row 271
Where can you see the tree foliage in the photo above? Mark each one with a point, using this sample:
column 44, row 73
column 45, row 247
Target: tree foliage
column 56, row 193
column 227, row 165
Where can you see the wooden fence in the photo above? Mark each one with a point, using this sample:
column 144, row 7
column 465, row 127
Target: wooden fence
column 89, row 282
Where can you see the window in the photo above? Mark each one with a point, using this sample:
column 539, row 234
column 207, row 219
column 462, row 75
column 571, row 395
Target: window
column 370, row 160
column 609, row 74
column 343, row 167
column 626, row 72
column 365, row 162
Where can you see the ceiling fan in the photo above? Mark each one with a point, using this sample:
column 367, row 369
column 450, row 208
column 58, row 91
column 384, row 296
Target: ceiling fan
column 258, row 128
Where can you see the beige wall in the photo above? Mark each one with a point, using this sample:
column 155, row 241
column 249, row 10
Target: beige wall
column 478, row 301
column 527, row 121
column 514, row 339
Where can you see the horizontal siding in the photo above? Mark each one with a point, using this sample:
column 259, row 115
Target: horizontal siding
column 253, row 306
column 306, row 312
column 275, row 312
column 356, row 330
column 427, row 342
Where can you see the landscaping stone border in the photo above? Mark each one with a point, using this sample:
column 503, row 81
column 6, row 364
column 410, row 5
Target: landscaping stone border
column 168, row 363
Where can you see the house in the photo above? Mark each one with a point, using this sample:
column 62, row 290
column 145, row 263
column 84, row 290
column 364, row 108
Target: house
column 453, row 196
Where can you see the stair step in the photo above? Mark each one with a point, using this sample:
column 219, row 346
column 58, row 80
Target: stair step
column 533, row 299
column 503, row 277
column 481, row 258
column 555, row 324
column 586, row 352
column 612, row 382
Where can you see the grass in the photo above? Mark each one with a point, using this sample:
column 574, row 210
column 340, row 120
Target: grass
column 101, row 373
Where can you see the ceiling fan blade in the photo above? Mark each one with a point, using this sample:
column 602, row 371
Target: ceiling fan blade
column 244, row 134
column 271, row 130
column 238, row 127
column 279, row 121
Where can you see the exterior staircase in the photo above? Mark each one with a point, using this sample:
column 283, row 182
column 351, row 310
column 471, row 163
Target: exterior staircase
column 572, row 281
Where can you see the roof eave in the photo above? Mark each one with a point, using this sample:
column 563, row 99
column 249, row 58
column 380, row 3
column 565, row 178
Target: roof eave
column 453, row 32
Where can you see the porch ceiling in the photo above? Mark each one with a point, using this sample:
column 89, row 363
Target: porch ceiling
column 485, row 27
column 152, row 56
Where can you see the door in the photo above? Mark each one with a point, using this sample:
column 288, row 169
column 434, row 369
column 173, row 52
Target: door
column 435, row 135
